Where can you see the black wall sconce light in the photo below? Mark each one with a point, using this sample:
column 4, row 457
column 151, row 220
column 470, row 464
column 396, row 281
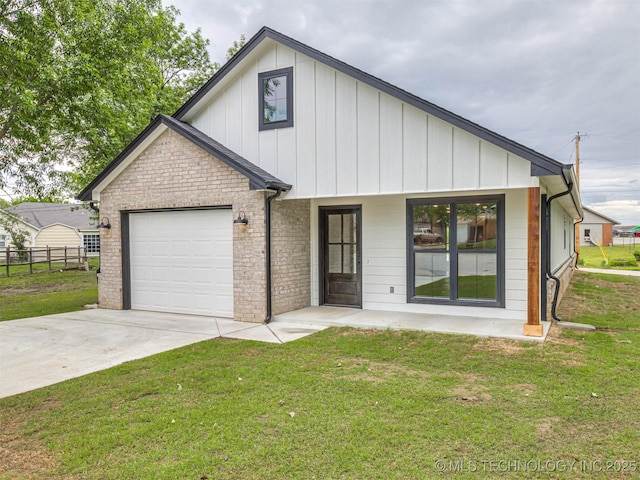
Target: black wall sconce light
column 104, row 223
column 242, row 218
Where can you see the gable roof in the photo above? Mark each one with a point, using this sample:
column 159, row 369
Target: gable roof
column 541, row 165
column 259, row 179
column 603, row 217
column 41, row 215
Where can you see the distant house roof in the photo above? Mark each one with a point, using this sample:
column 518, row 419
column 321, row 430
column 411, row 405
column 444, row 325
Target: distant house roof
column 601, row 216
column 42, row 215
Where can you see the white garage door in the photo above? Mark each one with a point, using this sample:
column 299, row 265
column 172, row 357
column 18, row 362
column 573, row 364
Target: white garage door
column 182, row 262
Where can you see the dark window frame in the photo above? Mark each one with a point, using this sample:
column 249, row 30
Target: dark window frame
column 282, row 72
column 499, row 301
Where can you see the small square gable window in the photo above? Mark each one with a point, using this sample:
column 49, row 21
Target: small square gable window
column 276, row 98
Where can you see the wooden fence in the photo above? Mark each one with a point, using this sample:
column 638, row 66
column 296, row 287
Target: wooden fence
column 71, row 257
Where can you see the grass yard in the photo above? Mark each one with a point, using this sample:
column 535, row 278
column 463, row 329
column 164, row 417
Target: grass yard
column 28, row 295
column 353, row 404
column 621, row 257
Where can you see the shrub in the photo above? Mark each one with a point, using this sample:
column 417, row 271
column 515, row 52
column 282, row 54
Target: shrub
column 621, row 262
column 636, row 253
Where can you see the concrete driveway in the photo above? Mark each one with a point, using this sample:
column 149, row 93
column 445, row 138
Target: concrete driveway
column 40, row 351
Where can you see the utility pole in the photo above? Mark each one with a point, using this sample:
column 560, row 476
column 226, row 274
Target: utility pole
column 577, row 227
column 577, row 140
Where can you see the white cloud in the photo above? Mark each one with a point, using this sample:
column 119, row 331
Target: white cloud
column 627, row 212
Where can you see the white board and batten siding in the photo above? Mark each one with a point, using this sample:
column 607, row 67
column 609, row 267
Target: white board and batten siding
column 187, row 268
column 351, row 139
column 384, row 256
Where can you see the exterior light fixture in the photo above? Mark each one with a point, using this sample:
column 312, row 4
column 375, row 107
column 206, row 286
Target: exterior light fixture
column 104, row 223
column 242, row 218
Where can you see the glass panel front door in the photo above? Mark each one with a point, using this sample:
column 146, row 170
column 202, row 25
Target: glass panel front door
column 340, row 234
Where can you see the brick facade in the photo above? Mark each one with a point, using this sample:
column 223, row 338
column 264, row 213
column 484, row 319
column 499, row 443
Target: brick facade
column 174, row 173
column 290, row 255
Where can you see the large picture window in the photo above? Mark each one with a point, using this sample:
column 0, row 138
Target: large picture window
column 456, row 251
column 276, row 99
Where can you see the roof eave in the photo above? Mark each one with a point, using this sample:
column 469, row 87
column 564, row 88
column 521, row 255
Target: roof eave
column 258, row 178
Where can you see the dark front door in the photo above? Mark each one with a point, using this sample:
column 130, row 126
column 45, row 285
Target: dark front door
column 340, row 238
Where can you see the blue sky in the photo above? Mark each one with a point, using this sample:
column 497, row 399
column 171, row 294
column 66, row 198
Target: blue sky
column 536, row 71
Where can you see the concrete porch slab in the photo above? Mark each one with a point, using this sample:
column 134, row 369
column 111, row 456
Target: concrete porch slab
column 351, row 317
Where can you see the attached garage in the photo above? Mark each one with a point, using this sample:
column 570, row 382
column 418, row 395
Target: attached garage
column 181, row 261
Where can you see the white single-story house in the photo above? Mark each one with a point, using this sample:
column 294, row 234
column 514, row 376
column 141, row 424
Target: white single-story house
column 596, row 228
column 292, row 179
column 55, row 225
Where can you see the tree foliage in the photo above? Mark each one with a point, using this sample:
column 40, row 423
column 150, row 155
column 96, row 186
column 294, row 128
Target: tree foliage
column 18, row 236
column 79, row 79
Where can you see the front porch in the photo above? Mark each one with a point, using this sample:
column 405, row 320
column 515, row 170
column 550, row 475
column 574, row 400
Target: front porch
column 353, row 317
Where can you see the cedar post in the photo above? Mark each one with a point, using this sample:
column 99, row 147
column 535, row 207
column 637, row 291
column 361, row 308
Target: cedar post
column 533, row 327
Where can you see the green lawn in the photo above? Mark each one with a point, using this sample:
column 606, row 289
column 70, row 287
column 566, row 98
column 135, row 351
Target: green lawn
column 352, row 404
column 619, row 257
column 28, row 295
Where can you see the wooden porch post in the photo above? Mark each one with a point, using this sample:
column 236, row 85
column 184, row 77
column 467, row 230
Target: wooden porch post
column 533, row 327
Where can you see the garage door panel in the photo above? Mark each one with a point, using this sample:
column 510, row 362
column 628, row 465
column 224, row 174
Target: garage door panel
column 182, row 261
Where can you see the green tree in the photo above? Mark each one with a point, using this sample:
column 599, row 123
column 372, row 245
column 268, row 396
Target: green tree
column 237, row 45
column 17, row 234
column 80, row 78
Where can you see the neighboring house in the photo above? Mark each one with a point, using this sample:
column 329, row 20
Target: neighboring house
column 292, row 179
column 596, row 228
column 22, row 224
column 56, row 225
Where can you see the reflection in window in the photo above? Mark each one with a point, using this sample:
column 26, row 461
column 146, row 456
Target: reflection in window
column 477, row 225
column 432, row 274
column 342, row 242
column 454, row 255
column 276, row 99
column 431, row 235
column 477, row 276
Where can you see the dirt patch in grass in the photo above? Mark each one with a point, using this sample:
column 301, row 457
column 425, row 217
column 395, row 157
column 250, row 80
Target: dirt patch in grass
column 524, row 388
column 472, row 389
column 592, row 291
column 14, row 292
column 375, row 372
column 23, row 457
column 500, row 346
column 555, row 337
column 573, row 356
column 546, row 426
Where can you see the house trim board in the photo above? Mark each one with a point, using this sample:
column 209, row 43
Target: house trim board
column 533, row 263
